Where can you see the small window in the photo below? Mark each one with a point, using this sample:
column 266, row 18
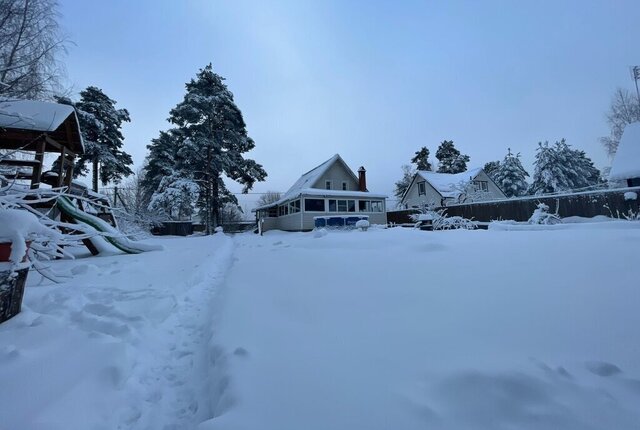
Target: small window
column 344, row 186
column 481, row 186
column 327, row 185
column 422, row 189
column 333, row 207
column 314, row 205
column 351, row 205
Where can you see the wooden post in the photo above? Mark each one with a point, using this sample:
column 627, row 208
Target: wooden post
column 37, row 169
column 61, row 168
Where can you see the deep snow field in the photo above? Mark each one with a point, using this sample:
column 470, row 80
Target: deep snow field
column 384, row 329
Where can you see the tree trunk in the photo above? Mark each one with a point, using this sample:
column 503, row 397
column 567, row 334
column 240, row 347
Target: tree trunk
column 95, row 175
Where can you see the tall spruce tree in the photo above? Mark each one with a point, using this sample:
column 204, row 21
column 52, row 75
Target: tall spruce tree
column 421, row 159
column 449, row 158
column 510, row 176
column 561, row 168
column 215, row 139
column 101, row 125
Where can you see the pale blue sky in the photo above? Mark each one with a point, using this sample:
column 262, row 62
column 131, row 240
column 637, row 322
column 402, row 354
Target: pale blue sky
column 371, row 80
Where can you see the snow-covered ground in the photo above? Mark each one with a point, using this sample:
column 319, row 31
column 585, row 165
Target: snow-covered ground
column 382, row 329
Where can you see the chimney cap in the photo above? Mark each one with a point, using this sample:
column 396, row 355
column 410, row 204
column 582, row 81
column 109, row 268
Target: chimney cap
column 362, row 169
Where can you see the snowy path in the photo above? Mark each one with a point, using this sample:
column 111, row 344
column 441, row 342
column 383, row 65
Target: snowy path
column 126, row 344
column 401, row 329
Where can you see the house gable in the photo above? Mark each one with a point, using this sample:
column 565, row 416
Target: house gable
column 337, row 174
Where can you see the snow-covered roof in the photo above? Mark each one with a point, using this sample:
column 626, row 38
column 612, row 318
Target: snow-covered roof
column 33, row 115
column 626, row 164
column 59, row 121
column 304, row 185
column 449, row 184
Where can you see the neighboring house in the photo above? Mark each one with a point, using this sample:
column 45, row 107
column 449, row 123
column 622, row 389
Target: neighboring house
column 331, row 189
column 430, row 189
column 626, row 162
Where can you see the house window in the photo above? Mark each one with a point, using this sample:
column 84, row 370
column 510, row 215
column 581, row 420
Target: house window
column 422, row 189
column 333, row 207
column 273, row 212
column 344, row 186
column 376, row 206
column 314, row 205
column 283, row 210
column 327, row 185
column 481, row 186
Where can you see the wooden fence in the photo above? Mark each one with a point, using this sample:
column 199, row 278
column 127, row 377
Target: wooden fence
column 611, row 203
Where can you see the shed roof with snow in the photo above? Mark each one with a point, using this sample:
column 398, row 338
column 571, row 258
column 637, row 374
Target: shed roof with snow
column 626, row 163
column 24, row 122
column 449, row 185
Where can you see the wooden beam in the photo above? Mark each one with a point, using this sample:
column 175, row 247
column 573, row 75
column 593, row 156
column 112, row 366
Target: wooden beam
column 61, row 167
column 53, row 142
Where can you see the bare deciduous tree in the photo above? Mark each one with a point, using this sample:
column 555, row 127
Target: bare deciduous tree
column 30, row 44
column 625, row 109
column 268, row 198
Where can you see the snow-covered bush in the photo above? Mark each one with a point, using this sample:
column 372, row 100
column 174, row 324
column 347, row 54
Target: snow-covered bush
column 541, row 215
column 440, row 221
column 630, row 196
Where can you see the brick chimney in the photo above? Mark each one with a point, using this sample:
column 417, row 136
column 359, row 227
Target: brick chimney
column 362, row 179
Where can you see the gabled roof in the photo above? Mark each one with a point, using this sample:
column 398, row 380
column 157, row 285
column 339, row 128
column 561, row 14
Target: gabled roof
column 626, row 164
column 22, row 120
column 446, row 184
column 305, row 184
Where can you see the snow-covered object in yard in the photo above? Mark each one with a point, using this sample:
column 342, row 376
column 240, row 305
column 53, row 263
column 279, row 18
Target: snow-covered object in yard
column 541, row 215
column 18, row 226
column 218, row 229
column 111, row 235
column 363, row 224
column 630, row 195
column 320, row 232
column 626, row 163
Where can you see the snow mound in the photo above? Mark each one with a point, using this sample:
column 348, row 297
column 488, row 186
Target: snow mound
column 19, row 226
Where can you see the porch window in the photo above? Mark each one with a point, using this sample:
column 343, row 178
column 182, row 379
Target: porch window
column 294, row 206
column 314, row 205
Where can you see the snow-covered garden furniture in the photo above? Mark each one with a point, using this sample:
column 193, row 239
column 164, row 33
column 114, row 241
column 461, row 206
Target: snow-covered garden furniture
column 346, row 222
column 542, row 216
column 363, row 224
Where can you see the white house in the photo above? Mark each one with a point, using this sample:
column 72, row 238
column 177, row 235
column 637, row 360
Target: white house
column 626, row 163
column 330, row 190
column 430, row 189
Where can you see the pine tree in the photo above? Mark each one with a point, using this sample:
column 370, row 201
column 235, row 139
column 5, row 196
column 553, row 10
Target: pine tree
column 560, row 168
column 215, row 139
column 403, row 184
column 510, row 176
column 101, row 125
column 449, row 158
column 491, row 167
column 421, row 159
column 161, row 160
column 175, row 197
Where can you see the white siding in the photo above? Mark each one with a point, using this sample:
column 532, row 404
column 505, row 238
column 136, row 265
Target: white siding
column 337, row 174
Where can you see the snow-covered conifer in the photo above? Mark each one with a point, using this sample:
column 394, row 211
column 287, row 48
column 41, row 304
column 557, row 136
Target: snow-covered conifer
column 450, row 160
column 421, row 159
column 510, row 176
column 101, row 125
column 215, row 139
column 175, row 198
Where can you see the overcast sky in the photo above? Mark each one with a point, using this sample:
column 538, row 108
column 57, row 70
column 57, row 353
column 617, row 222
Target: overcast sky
column 370, row 80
